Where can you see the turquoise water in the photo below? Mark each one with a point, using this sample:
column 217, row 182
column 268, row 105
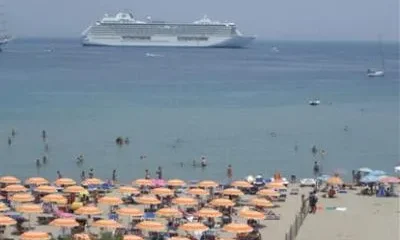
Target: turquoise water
column 222, row 103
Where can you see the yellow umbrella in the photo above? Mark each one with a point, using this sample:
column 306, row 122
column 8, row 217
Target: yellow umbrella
column 110, row 200
column 132, row 237
column 9, row 180
column 143, row 182
column 222, row 202
column 184, row 201
column 250, row 214
column 88, row 210
column 74, row 189
column 193, row 227
column 15, row 188
column 162, row 191
column 151, row 226
column 65, row 182
column 134, row 212
column 261, row 202
column 335, row 180
column 148, row 200
column 36, row 181
column 5, row 221
column 92, row 181
column 54, row 198
column 130, row 190
column 169, row 212
column 30, row 208
column 176, row 183
column 3, row 207
column 268, row 192
column 241, row 184
column 64, row 222
column 275, row 185
column 197, row 191
column 207, row 184
column 232, row 192
column 106, row 223
column 46, row 189
column 208, row 212
column 22, row 197
column 35, row 236
column 237, row 228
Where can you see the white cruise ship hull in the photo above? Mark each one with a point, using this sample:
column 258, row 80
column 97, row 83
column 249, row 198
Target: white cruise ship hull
column 169, row 41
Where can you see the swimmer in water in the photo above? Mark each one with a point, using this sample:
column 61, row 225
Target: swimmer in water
column 203, row 161
column 59, row 174
column 194, row 163
column 44, row 159
column 80, row 158
column 9, row 141
column 13, row 133
column 127, row 141
column 346, row 128
column 44, row 135
column 38, row 164
column 181, row 164
column 46, row 147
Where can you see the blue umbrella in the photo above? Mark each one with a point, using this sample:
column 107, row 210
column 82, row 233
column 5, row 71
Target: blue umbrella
column 365, row 170
column 377, row 173
column 369, row 179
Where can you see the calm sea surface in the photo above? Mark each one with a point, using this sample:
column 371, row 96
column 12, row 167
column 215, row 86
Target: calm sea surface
column 245, row 107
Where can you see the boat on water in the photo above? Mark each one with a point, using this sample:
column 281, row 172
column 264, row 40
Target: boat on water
column 314, row 102
column 378, row 73
column 124, row 30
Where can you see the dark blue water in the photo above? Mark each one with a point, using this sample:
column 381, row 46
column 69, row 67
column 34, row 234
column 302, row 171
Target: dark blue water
column 222, row 103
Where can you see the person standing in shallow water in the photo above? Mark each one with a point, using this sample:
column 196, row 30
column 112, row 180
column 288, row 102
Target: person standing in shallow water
column 147, row 174
column 229, row 172
column 159, row 173
column 44, row 135
column 316, row 169
column 59, row 174
column 9, row 141
column 114, row 176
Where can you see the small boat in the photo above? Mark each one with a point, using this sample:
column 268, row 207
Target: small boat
column 375, row 73
column 314, row 102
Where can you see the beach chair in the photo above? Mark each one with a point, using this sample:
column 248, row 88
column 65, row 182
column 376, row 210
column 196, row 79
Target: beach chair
column 270, row 215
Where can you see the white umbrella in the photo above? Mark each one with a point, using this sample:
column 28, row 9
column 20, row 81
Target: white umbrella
column 397, row 169
column 365, row 170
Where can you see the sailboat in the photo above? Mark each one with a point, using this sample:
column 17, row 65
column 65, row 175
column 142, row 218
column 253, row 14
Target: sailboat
column 378, row 73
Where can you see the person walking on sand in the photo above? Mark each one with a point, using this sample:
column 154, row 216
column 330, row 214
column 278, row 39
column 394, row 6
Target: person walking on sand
column 229, row 172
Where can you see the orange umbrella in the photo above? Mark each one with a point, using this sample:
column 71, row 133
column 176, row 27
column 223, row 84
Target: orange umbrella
column 3, row 207
column 232, row 192
column 65, row 182
column 35, row 236
column 46, row 189
column 5, row 221
column 268, row 192
column 197, row 191
column 30, row 208
column 106, row 223
column 143, row 182
column 54, row 198
column 207, row 184
column 9, row 180
column 130, row 190
column 151, row 226
column 110, row 200
column 193, row 226
column 184, row 201
column 148, row 200
column 241, row 184
column 222, row 202
column 92, row 181
column 275, row 185
column 74, row 189
column 250, row 214
column 132, row 237
column 88, row 210
column 81, row 236
column 261, row 202
column 237, row 228
column 22, row 197
column 208, row 212
column 64, row 222
column 335, row 180
column 36, row 181
column 162, row 191
column 15, row 188
column 169, row 212
column 176, row 183
column 134, row 212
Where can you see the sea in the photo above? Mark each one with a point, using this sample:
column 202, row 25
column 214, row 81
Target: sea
column 248, row 108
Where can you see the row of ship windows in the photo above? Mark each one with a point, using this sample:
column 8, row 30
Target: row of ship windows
column 147, row 38
column 163, row 32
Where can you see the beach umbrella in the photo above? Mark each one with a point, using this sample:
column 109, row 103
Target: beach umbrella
column 377, row 173
column 369, row 179
column 54, row 198
column 81, row 236
column 193, row 227
column 178, row 238
column 9, row 180
column 162, row 191
column 64, row 223
column 133, row 237
column 15, row 188
column 241, row 184
column 65, row 182
column 275, row 185
column 198, row 191
column 176, row 183
column 389, row 180
column 209, row 213
column 268, row 192
column 6, row 221
column 30, row 208
column 142, row 182
column 127, row 189
column 31, row 235
column 113, row 201
column 92, row 181
column 74, row 189
column 397, row 169
column 261, row 202
column 232, row 192
column 237, row 228
column 152, row 226
column 222, row 202
column 335, row 180
column 88, row 210
column 148, row 200
column 3, row 207
column 158, row 182
column 106, row 223
column 22, row 197
column 134, row 212
column 36, row 181
column 188, row 201
column 46, row 189
column 364, row 170
column 250, row 214
column 207, row 184
column 169, row 212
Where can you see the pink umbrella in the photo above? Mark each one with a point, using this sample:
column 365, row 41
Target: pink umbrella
column 159, row 182
column 389, row 180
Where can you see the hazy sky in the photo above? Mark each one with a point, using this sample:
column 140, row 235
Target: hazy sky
column 268, row 19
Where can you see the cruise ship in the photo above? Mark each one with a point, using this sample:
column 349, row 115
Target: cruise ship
column 124, row 30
